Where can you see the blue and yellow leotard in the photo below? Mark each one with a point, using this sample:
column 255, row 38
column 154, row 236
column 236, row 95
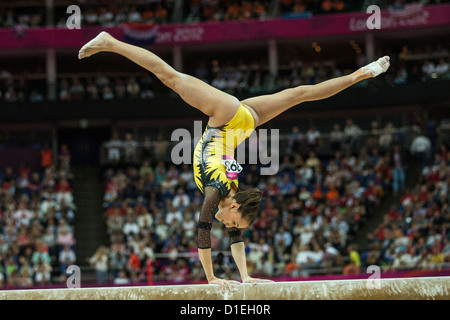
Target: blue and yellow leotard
column 214, row 162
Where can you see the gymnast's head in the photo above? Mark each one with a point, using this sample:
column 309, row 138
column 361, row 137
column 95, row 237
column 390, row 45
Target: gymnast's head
column 241, row 209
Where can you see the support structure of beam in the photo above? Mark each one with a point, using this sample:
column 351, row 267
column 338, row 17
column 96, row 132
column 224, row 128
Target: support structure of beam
column 434, row 288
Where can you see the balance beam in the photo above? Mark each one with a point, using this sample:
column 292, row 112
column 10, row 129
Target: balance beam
column 432, row 288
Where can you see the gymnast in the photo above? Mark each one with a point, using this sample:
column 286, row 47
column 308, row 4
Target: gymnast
column 230, row 122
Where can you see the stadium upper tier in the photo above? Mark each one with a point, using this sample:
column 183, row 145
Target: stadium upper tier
column 416, row 16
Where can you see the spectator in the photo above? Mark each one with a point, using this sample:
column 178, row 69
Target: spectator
column 99, row 261
column 181, row 200
column 121, row 278
column 295, row 140
column 42, row 271
column 352, row 134
column 107, row 93
column 113, row 147
column 25, row 273
column 219, row 82
column 312, row 161
column 420, row 148
column 131, row 227
column 67, row 257
column 398, row 172
column 77, row 89
column 133, row 88
column 313, row 137
column 147, row 149
column 336, row 137
column 46, row 156
column 160, row 147
column 428, row 69
column 387, row 136
column 351, row 268
column 354, row 256
column 133, row 265
column 64, row 158
column 442, row 68
column 130, row 149
column 173, row 213
column 65, row 237
column 90, row 17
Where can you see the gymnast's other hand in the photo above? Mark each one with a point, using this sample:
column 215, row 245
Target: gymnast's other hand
column 224, row 283
column 255, row 280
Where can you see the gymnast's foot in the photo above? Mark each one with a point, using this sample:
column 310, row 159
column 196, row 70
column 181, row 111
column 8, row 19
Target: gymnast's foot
column 99, row 43
column 375, row 68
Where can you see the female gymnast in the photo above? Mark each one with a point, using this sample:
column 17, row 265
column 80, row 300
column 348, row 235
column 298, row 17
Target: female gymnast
column 215, row 169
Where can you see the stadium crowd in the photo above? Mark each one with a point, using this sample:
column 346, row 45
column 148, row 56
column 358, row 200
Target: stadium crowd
column 37, row 215
column 311, row 208
column 410, row 64
column 415, row 232
column 166, row 11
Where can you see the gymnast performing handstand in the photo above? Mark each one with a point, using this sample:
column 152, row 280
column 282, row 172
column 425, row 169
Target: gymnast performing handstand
column 215, row 168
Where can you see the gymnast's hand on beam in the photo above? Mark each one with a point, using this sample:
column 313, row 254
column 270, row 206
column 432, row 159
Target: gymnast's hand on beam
column 255, row 280
column 224, row 283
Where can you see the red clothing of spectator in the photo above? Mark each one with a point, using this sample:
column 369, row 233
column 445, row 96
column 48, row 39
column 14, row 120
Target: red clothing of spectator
column 434, row 176
column 63, row 186
column 140, row 209
column 393, row 214
column 183, row 273
column 112, row 210
column 263, row 222
column 272, row 190
column 407, row 197
column 423, row 196
column 380, row 234
column 317, row 194
column 332, row 193
column 46, row 157
column 133, row 262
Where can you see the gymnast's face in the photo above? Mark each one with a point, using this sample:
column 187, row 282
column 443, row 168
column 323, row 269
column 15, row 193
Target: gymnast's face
column 230, row 215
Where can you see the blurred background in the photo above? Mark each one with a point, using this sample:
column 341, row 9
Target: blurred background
column 86, row 176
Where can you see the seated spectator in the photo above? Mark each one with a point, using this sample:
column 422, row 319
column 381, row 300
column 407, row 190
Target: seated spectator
column 352, row 134
column 114, row 147
column 66, row 258
column 181, row 200
column 442, row 68
column 130, row 227
column 42, row 272
column 129, row 146
column 121, row 278
column 420, row 148
column 65, row 237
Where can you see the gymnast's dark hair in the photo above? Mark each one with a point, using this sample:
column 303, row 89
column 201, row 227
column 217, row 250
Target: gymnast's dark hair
column 249, row 203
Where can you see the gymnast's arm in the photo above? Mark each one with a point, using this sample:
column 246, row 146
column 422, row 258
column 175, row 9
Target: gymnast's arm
column 210, row 204
column 238, row 252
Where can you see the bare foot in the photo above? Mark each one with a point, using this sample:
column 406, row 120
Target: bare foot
column 99, row 43
column 376, row 68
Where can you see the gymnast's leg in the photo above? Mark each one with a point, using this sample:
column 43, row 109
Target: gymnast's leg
column 218, row 105
column 269, row 106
